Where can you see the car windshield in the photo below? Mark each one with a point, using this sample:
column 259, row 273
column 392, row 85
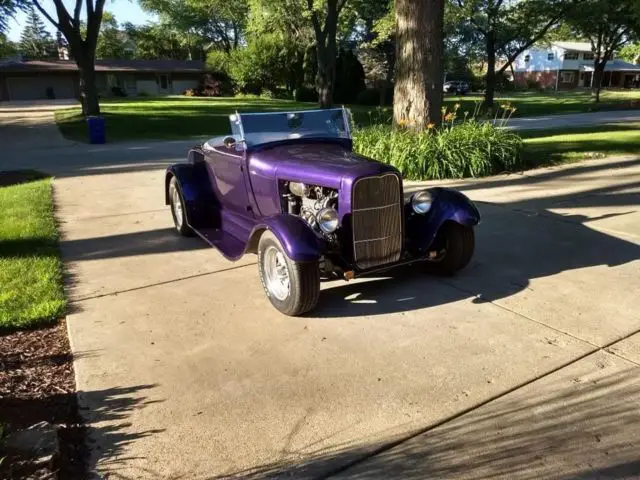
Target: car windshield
column 260, row 128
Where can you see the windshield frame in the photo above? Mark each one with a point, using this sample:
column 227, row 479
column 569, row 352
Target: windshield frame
column 247, row 140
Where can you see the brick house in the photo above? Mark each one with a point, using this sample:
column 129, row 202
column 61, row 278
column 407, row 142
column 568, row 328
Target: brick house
column 41, row 79
column 567, row 65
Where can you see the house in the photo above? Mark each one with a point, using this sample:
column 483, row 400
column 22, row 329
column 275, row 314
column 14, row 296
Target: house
column 567, row 65
column 41, row 79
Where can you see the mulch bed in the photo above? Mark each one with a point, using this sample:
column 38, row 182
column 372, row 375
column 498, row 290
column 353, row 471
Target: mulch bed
column 37, row 384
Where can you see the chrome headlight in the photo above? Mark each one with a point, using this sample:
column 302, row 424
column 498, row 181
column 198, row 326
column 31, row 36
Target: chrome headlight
column 421, row 202
column 327, row 220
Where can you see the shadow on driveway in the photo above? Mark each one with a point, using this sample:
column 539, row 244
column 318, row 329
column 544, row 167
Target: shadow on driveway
column 557, row 431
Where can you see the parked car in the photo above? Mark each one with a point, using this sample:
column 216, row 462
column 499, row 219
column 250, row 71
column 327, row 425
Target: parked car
column 288, row 187
column 456, row 87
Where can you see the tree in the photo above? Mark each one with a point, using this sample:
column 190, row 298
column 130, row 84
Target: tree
column 203, row 24
column 419, row 77
column 258, row 66
column 507, row 28
column 111, row 40
column 608, row 25
column 35, row 40
column 8, row 8
column 156, row 41
column 7, row 47
column 83, row 48
column 630, row 53
column 286, row 21
column 325, row 30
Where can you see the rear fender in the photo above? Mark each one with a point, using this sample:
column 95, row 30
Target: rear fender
column 299, row 241
column 201, row 205
column 448, row 205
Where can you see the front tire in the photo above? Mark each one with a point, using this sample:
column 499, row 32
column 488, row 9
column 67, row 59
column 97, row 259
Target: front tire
column 458, row 242
column 292, row 287
column 178, row 211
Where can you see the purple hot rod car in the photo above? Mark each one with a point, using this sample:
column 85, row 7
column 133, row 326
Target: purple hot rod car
column 288, row 187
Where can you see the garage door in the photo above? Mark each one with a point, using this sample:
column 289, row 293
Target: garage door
column 35, row 88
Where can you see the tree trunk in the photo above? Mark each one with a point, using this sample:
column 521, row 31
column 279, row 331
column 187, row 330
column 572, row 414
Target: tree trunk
column 326, row 53
column 325, row 78
column 490, row 88
column 419, row 47
column 598, row 73
column 88, row 90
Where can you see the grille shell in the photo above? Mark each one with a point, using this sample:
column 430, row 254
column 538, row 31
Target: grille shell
column 376, row 221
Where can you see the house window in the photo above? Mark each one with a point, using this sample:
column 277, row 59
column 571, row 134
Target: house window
column 567, row 77
column 588, row 56
column 550, row 56
column 571, row 56
column 527, row 58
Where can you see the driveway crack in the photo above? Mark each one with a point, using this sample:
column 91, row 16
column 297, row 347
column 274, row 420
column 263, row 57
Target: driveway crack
column 165, row 282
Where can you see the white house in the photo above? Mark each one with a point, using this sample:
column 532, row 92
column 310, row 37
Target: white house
column 566, row 65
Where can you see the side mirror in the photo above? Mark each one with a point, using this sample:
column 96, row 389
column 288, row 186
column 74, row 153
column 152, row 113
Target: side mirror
column 229, row 142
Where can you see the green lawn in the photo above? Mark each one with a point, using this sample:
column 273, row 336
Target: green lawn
column 544, row 147
column 184, row 117
column 31, row 290
column 531, row 104
column 168, row 117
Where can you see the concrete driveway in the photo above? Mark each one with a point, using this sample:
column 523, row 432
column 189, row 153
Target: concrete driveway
column 525, row 365
column 31, row 125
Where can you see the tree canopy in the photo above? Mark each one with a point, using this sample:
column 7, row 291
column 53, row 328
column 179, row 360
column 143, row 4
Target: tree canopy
column 35, row 40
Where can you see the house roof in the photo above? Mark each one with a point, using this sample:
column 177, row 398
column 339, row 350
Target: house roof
column 165, row 66
column 614, row 66
column 574, row 46
column 621, row 66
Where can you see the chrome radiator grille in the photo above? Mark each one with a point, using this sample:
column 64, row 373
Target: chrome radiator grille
column 376, row 220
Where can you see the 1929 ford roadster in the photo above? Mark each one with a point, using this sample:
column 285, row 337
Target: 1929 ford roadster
column 288, row 187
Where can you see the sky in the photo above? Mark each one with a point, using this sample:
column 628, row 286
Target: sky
column 124, row 11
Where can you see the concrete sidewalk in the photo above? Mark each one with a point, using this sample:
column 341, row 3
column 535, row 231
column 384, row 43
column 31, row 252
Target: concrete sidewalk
column 28, row 125
column 185, row 370
column 549, row 122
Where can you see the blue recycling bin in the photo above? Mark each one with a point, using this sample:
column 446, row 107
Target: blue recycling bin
column 96, row 129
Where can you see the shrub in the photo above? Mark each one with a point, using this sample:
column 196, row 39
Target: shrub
column 214, row 85
column 218, row 61
column 259, row 65
column 349, row 77
column 469, row 149
column 305, row 94
column 118, row 92
column 533, row 84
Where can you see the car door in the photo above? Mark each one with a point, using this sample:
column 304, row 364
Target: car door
column 226, row 171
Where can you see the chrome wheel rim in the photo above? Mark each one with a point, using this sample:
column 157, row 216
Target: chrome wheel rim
column 176, row 205
column 276, row 273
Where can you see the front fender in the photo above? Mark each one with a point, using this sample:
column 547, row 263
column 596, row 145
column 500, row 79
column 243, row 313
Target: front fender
column 299, row 241
column 448, row 205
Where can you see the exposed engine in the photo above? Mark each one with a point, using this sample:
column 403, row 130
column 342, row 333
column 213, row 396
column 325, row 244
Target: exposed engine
column 316, row 205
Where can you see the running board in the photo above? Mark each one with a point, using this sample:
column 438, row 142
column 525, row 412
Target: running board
column 227, row 244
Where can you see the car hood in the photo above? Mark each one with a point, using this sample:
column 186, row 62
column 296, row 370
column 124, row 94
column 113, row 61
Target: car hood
column 329, row 165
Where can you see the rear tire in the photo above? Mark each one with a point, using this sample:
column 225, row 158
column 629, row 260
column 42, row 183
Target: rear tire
column 303, row 278
column 458, row 242
column 178, row 210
